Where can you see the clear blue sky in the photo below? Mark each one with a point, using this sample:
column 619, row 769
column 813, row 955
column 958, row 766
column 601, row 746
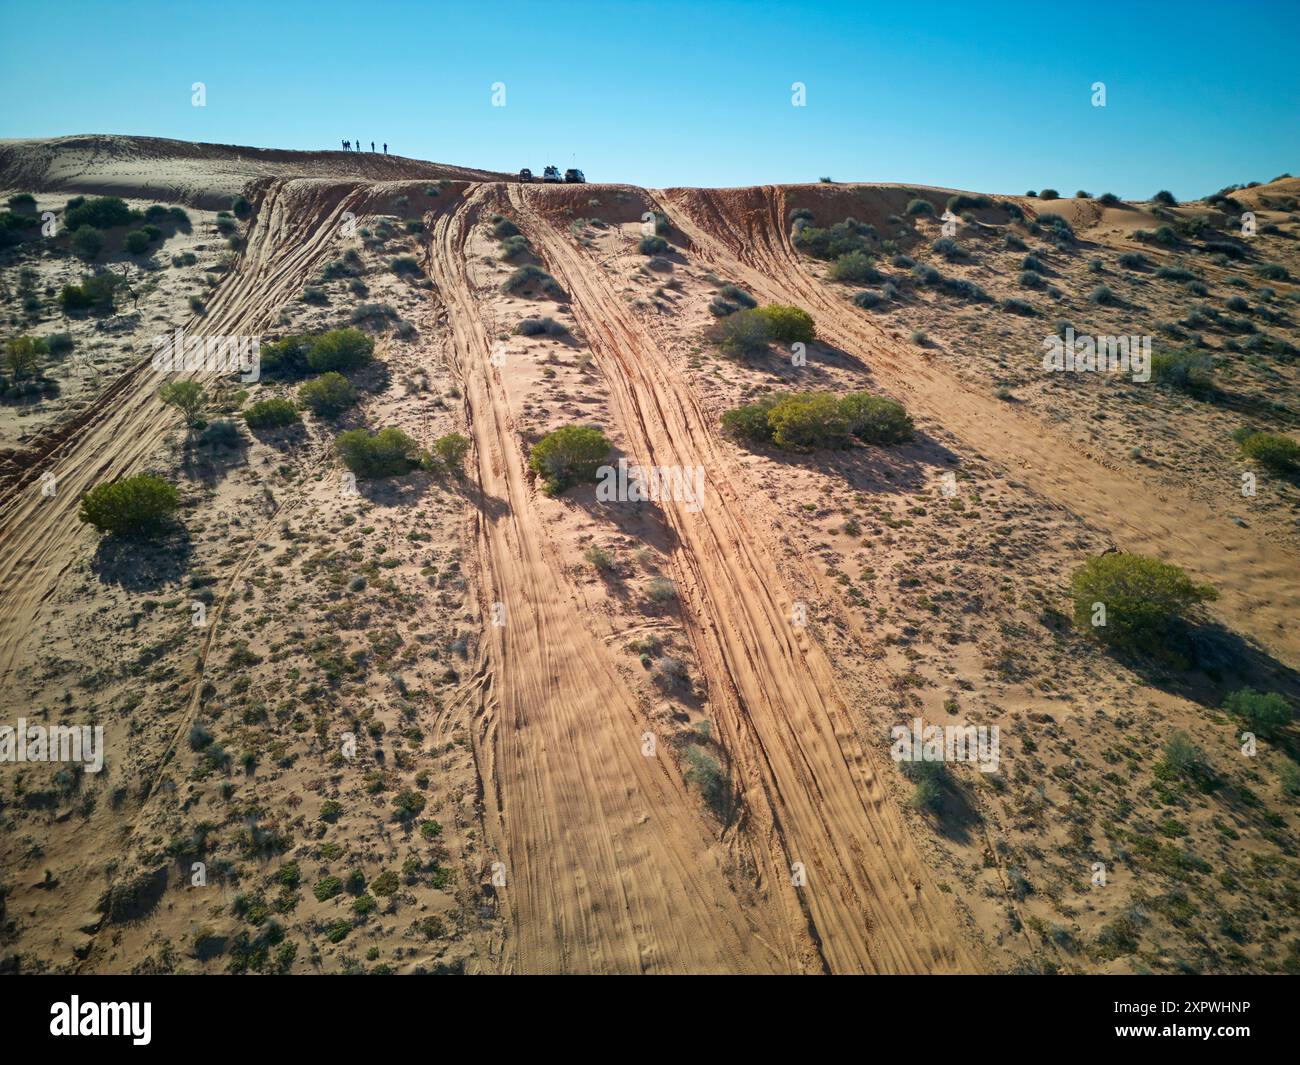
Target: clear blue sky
column 984, row 97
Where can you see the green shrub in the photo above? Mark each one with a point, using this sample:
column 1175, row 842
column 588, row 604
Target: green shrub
column 1187, row 371
column 788, row 325
column 387, row 453
column 568, row 455
column 807, row 421
column 339, row 350
column 920, row 207
column 104, row 212
column 738, row 296
column 1273, row 272
column 23, row 356
column 1165, row 197
column 528, row 327
column 876, row 419
column 137, row 242
column 652, row 245
column 1049, row 194
column 840, row 239
column 134, row 508
column 749, row 423
column 530, row 274
column 1273, row 450
column 451, row 450
column 502, row 227
column 1143, row 597
column 1264, row 713
column 270, row 414
column 87, row 243
column 327, row 888
column 187, row 396
column 1102, row 296
column 513, row 247
column 854, row 268
column 744, row 333
column 328, row 395
column 23, row 201
column 93, row 292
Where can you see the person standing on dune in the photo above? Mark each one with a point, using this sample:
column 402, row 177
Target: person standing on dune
column 372, row 147
column 385, row 147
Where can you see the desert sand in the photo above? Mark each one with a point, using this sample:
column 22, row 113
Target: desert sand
column 488, row 671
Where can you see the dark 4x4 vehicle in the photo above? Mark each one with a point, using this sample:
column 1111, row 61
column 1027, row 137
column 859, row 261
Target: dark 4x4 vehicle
column 551, row 176
column 574, row 177
column 525, row 175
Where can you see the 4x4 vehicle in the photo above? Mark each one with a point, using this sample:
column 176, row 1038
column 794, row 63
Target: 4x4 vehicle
column 574, row 177
column 551, row 176
column 525, row 175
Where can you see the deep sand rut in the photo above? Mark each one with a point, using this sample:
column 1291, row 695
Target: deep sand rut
column 608, row 863
column 744, row 232
column 813, row 797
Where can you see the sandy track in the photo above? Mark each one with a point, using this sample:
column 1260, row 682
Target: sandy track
column 813, row 795
column 743, row 231
column 609, row 864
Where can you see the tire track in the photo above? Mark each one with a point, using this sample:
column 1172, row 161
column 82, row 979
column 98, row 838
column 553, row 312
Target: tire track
column 812, row 793
column 609, row 865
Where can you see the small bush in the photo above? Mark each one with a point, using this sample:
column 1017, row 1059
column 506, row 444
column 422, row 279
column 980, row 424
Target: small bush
column 137, row 242
column 744, row 333
column 186, row 395
column 749, row 423
column 948, row 248
column 135, row 508
column 1133, row 260
column 569, row 455
column 529, row 327
column 531, row 274
column 807, row 421
column 919, row 206
column 451, row 450
column 339, row 350
column 738, row 296
column 1186, row 371
column 328, row 395
column 271, row 414
column 1143, row 598
column 1273, row 272
column 854, row 268
column 1165, row 197
column 875, row 419
column 87, row 243
column 1264, row 713
column 103, row 212
column 23, row 356
column 788, row 325
column 387, row 453
column 1272, row 450
column 652, row 245
column 1102, row 296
